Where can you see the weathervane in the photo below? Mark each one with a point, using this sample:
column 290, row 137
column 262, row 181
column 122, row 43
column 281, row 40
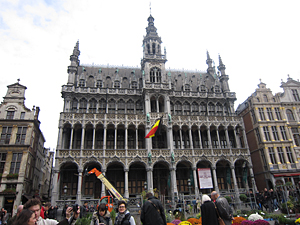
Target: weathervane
column 150, row 7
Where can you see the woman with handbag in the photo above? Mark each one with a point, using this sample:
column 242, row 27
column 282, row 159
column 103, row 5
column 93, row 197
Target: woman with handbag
column 208, row 211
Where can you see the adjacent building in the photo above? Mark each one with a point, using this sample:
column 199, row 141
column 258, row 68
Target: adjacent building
column 22, row 151
column 109, row 110
column 272, row 127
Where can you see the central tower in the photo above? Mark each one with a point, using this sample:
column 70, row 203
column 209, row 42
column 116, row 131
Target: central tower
column 153, row 62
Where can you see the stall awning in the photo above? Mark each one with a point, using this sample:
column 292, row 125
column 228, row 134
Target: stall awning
column 286, row 174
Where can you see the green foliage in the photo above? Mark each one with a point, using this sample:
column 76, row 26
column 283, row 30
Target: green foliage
column 168, row 216
column 113, row 215
column 283, row 220
column 243, row 197
column 182, row 217
column 228, row 198
column 288, row 183
column 198, row 216
column 85, row 220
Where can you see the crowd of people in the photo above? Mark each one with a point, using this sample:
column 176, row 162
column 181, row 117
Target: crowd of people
column 152, row 212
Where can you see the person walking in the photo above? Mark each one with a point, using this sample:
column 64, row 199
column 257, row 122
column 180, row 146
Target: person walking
column 208, row 211
column 152, row 211
column 101, row 216
column 223, row 207
column 267, row 198
column 123, row 217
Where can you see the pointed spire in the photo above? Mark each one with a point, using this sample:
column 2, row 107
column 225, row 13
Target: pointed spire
column 151, row 29
column 209, row 62
column 76, row 51
column 221, row 66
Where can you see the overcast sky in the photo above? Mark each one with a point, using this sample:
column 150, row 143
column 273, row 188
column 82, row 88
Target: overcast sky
column 256, row 39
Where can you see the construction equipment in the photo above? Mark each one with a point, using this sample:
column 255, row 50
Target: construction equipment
column 108, row 200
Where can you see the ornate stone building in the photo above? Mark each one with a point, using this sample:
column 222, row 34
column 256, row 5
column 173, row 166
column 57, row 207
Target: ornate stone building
column 22, row 151
column 272, row 125
column 109, row 110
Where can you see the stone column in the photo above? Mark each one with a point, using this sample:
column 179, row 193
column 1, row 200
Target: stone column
column 195, row 182
column 286, row 158
column 237, row 140
column 55, row 190
column 190, row 137
column 104, row 137
column 214, row 173
column 126, row 138
column 150, row 179
column 200, row 139
column 209, row 138
column 227, row 138
column 71, row 138
column 60, row 136
column 236, row 188
column 82, row 138
column 245, row 138
column 126, row 194
column 173, row 180
column 294, row 154
column 157, row 106
column 136, row 139
column 180, row 135
column 219, row 143
column 276, row 155
column 78, row 196
column 116, row 137
column 103, row 188
column 94, row 137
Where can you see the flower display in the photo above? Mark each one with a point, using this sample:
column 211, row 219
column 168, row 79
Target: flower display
column 194, row 221
column 297, row 220
column 260, row 222
column 238, row 220
column 247, row 222
column 254, row 217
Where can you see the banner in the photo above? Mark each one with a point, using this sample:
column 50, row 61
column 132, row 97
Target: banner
column 205, row 180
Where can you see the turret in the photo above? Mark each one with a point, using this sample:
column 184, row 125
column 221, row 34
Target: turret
column 72, row 69
column 209, row 62
column 223, row 78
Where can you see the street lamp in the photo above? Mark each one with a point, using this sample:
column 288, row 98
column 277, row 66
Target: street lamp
column 145, row 185
column 189, row 185
column 65, row 192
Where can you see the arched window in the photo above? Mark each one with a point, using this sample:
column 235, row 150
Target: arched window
column 82, row 105
column 92, row 105
column 219, row 109
column 111, row 106
column 211, row 109
column 178, row 108
column 130, row 107
column 102, row 106
column 148, row 48
column 202, row 88
column 161, row 104
column 195, row 108
column 139, row 107
column 265, row 98
column 153, row 48
column 74, row 105
column 81, row 83
column 290, row 115
column 217, row 89
column 155, row 75
column 153, row 104
column 186, row 108
column 121, row 107
column 202, row 108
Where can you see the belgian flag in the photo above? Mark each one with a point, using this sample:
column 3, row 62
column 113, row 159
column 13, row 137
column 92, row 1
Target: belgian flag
column 155, row 129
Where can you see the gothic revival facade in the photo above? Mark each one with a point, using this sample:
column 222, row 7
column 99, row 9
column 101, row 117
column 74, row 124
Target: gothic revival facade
column 272, row 125
column 108, row 111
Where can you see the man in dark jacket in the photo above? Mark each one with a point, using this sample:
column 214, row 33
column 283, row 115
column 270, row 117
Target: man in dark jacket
column 152, row 211
column 223, row 207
